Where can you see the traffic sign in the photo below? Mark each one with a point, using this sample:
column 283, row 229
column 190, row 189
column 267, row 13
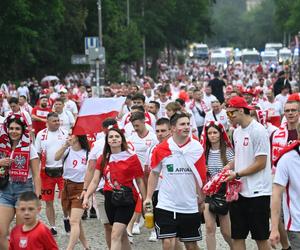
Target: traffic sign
column 91, row 43
column 96, row 53
column 79, row 59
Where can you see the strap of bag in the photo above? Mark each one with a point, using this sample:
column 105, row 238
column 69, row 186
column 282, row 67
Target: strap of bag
column 215, row 117
column 64, row 159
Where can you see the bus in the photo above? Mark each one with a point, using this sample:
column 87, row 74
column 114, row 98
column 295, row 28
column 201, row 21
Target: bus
column 249, row 57
column 198, row 51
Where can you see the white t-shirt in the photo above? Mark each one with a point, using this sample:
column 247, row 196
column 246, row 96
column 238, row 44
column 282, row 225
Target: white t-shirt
column 33, row 155
column 23, row 90
column 23, row 113
column 282, row 99
column 97, row 149
column 66, row 119
column 71, row 106
column 129, row 130
column 75, row 165
column 221, row 117
column 162, row 109
column 274, row 109
column 208, row 99
column 198, row 118
column 141, row 145
column 50, row 142
column 250, row 142
column 287, row 175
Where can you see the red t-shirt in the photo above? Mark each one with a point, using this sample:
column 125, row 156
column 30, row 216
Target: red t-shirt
column 37, row 238
column 41, row 113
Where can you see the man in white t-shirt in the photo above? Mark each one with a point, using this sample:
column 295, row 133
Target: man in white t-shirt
column 208, row 97
column 47, row 142
column 66, row 117
column 283, row 96
column 163, row 100
column 217, row 114
column 252, row 165
column 68, row 104
column 181, row 162
column 23, row 90
column 287, row 185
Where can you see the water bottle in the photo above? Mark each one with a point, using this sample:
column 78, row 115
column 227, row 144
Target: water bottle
column 149, row 218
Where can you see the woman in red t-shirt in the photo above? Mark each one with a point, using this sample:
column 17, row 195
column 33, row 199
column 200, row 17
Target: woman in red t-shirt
column 119, row 167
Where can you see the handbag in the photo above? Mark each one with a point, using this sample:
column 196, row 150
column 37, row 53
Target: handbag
column 122, row 197
column 54, row 172
column 218, row 204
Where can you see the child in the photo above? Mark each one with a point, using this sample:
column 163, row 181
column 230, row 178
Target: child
column 32, row 234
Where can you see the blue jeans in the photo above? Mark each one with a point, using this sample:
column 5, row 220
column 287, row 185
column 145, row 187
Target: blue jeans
column 11, row 193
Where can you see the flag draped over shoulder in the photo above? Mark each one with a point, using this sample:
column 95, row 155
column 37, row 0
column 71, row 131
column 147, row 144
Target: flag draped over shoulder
column 94, row 111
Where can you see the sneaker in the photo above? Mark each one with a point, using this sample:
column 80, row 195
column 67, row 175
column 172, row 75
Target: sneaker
column 93, row 214
column 53, row 231
column 67, row 225
column 84, row 216
column 153, row 237
column 130, row 237
column 136, row 229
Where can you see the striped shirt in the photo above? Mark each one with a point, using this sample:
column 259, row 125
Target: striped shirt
column 214, row 161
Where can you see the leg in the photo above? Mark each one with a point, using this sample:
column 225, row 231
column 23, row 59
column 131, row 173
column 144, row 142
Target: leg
column 75, row 219
column 178, row 244
column 125, row 241
column 225, row 228
column 82, row 237
column 191, row 245
column 118, row 230
column 210, row 224
column 50, row 212
column 239, row 244
column 263, row 245
column 107, row 232
column 6, row 216
column 168, row 244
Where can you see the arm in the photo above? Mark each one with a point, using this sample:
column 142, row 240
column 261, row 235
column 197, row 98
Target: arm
column 88, row 176
column 152, row 184
column 275, row 213
column 36, row 118
column 34, row 164
column 59, row 154
column 91, row 189
column 141, row 185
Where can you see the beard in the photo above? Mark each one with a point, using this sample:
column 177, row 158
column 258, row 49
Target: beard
column 44, row 105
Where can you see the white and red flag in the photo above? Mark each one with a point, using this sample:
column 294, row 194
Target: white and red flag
column 94, row 111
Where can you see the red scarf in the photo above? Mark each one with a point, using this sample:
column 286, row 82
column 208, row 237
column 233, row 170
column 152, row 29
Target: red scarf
column 19, row 169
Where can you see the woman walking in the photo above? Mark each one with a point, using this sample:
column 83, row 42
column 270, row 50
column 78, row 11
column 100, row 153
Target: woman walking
column 19, row 171
column 75, row 155
column 218, row 152
column 119, row 167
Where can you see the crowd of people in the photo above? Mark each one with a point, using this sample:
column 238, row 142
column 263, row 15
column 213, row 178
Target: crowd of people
column 195, row 129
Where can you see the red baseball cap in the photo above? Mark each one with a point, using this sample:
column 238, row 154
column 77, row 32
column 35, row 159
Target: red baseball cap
column 294, row 97
column 238, row 102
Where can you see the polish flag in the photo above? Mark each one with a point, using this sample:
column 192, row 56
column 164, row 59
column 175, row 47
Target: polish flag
column 94, row 111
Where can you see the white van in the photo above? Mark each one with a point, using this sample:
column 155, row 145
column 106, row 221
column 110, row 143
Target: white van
column 269, row 57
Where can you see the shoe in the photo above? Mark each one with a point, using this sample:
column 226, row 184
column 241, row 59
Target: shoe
column 84, row 216
column 67, row 225
column 153, row 237
column 136, row 229
column 130, row 237
column 53, row 231
column 93, row 214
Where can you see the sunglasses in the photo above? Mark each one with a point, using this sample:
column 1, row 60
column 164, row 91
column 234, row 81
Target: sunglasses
column 231, row 113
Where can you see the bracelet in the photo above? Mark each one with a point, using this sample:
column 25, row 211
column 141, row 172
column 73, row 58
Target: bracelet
column 84, row 189
column 237, row 176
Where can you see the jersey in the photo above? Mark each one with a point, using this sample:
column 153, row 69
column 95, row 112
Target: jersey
column 38, row 238
column 250, row 142
column 71, row 106
column 141, row 145
column 75, row 165
column 49, row 141
column 41, row 113
column 67, row 120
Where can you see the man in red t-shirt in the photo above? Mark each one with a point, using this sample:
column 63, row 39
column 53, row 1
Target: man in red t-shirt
column 33, row 234
column 39, row 114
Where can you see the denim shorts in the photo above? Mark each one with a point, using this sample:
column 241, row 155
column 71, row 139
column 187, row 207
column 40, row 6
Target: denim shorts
column 11, row 193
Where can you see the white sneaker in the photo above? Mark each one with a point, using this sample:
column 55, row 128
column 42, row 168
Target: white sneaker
column 136, row 229
column 153, row 237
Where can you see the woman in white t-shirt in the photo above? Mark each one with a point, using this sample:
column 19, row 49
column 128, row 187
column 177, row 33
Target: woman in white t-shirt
column 218, row 153
column 75, row 155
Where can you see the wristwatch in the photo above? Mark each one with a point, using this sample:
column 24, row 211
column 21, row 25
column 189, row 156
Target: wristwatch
column 237, row 176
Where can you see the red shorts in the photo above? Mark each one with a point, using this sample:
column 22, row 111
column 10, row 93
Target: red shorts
column 48, row 186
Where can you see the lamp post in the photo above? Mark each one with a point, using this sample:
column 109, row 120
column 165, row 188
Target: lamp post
column 298, row 59
column 99, row 3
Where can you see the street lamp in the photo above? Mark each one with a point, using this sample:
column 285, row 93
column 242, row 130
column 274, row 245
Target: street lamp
column 299, row 59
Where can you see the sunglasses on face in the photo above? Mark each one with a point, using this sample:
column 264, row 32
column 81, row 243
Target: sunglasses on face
column 231, row 113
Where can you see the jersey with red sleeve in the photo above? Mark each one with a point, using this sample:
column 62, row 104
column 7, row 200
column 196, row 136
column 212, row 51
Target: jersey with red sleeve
column 41, row 113
column 38, row 238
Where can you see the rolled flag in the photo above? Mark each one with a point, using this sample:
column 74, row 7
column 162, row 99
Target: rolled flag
column 94, row 111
